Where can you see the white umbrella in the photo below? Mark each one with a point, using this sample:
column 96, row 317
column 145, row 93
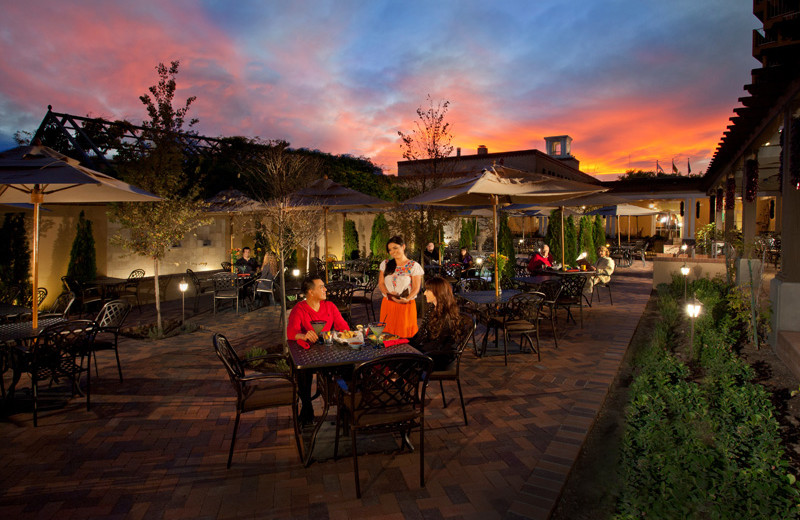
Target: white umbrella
column 621, row 210
column 501, row 185
column 38, row 174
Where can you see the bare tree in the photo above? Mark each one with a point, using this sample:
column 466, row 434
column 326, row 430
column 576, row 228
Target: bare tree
column 429, row 144
column 275, row 174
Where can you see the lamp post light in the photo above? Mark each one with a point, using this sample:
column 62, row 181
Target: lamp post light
column 693, row 310
column 183, row 286
column 684, row 247
column 685, row 272
column 296, row 272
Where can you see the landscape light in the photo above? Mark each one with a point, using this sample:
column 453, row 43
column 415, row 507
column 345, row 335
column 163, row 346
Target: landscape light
column 295, row 272
column 183, row 286
column 693, row 310
column 685, row 272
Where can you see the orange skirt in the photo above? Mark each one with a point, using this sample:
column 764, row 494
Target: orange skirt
column 400, row 319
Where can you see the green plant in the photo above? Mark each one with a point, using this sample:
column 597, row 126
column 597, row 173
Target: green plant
column 350, row 240
column 506, row 247
column 586, row 239
column 570, row 241
column 379, row 236
column 15, row 256
column 467, row 235
column 82, row 257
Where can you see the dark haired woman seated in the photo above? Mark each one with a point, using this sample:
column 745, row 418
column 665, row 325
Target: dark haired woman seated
column 437, row 336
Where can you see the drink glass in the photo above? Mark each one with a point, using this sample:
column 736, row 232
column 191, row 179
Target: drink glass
column 377, row 329
column 318, row 325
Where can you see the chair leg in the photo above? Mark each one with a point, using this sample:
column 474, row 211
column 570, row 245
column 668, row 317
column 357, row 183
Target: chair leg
column 35, row 385
column 609, row 295
column 461, row 396
column 233, row 439
column 119, row 366
column 505, row 346
column 88, row 381
column 580, row 306
column 355, row 461
column 93, row 354
column 441, row 386
column 553, row 324
column 422, row 451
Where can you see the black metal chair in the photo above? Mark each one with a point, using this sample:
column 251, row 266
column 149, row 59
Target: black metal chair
column 61, row 307
column 58, row 353
column 551, row 290
column 264, row 285
column 362, row 294
column 226, row 287
column 41, row 294
column 522, row 317
column 387, row 393
column 85, row 294
column 596, row 289
column 340, row 293
column 465, row 331
column 200, row 287
column 131, row 287
column 109, row 321
column 257, row 391
column 226, row 266
column 571, row 295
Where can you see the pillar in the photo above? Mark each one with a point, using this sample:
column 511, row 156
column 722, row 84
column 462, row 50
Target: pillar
column 687, row 231
column 749, row 215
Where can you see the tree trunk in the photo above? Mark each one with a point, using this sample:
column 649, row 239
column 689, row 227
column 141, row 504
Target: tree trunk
column 284, row 323
column 158, row 298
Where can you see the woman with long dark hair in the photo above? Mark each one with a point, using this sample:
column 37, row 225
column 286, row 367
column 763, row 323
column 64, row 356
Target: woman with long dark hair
column 399, row 279
column 439, row 328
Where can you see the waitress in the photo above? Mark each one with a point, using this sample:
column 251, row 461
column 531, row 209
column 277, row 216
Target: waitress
column 399, row 279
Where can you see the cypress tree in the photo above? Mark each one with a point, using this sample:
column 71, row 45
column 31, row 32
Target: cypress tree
column 586, row 240
column 350, row 240
column 82, row 257
column 598, row 232
column 505, row 246
column 570, row 241
column 15, row 257
column 553, row 236
column 379, row 237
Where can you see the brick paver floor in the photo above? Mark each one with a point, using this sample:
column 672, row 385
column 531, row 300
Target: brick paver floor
column 155, row 446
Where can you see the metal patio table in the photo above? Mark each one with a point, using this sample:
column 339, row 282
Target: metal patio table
column 14, row 341
column 328, row 361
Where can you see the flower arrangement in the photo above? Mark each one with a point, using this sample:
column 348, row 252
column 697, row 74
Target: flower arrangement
column 500, row 266
column 235, row 254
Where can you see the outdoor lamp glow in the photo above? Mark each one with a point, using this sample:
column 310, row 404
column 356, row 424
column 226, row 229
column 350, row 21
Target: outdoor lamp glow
column 693, row 309
column 295, row 272
column 479, row 260
column 183, row 286
column 685, row 270
column 581, row 256
column 520, row 240
column 684, row 247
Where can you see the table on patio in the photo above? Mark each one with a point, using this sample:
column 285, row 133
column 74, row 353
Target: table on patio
column 542, row 276
column 12, row 311
column 20, row 334
column 108, row 285
column 328, row 361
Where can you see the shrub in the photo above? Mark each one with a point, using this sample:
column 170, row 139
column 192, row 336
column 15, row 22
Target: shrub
column 350, row 241
column 82, row 257
column 379, row 236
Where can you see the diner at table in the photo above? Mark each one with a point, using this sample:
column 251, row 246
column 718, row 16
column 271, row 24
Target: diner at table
column 436, row 336
column 430, row 256
column 541, row 260
column 300, row 327
column 603, row 269
column 247, row 264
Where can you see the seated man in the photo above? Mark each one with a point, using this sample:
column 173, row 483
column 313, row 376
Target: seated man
column 431, row 255
column 604, row 267
column 314, row 307
column 541, row 260
column 247, row 264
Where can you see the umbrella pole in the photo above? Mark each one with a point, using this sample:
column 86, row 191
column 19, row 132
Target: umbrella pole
column 36, row 199
column 496, row 257
column 325, row 241
column 619, row 233
column 629, row 228
column 563, row 263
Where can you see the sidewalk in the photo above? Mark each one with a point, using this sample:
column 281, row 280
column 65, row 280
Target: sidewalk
column 156, row 445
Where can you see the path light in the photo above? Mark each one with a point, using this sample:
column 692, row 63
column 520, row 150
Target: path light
column 479, row 260
column 693, row 310
column 295, row 272
column 685, row 272
column 183, row 286
column 684, row 247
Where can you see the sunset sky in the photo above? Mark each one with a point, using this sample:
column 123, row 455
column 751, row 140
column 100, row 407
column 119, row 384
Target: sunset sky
column 632, row 81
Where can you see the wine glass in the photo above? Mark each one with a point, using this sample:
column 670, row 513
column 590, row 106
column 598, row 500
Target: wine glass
column 318, row 325
column 377, row 329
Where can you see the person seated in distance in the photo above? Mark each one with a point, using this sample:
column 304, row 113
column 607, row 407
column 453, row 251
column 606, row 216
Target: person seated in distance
column 541, row 260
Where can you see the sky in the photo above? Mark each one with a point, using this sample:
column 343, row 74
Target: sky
column 631, row 81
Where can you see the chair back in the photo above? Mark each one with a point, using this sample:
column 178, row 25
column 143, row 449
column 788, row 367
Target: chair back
column 395, row 383
column 233, row 365
column 464, row 333
column 226, row 266
column 113, row 314
column 551, row 290
column 194, row 279
column 264, row 284
column 525, row 306
column 572, row 286
column 63, row 304
column 466, row 285
column 62, row 340
column 136, row 274
column 452, row 270
column 368, row 287
column 341, row 293
column 225, row 282
column 41, row 294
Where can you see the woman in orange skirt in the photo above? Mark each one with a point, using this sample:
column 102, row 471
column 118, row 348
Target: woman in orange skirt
column 399, row 280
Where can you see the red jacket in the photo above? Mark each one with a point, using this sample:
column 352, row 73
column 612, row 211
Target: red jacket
column 302, row 315
column 539, row 262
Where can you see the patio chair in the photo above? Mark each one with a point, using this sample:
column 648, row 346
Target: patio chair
column 226, row 287
column 131, row 287
column 551, row 290
column 58, row 353
column 10, row 294
column 61, row 307
column 199, row 287
column 264, row 285
column 257, row 391
column 340, row 293
column 85, row 294
column 596, row 289
column 387, row 393
column 109, row 321
column 571, row 295
column 466, row 330
column 362, row 294
column 226, row 266
column 41, row 294
column 522, row 317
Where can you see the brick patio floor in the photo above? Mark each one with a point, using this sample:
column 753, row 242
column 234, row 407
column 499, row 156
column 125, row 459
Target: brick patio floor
column 156, row 445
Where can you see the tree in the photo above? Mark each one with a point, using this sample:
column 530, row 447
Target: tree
column 15, row 256
column 467, row 235
column 505, row 246
column 379, row 237
column 598, row 232
column 82, row 256
column 275, row 175
column 553, row 235
column 350, row 240
column 150, row 229
column 570, row 241
column 429, row 143
column 586, row 239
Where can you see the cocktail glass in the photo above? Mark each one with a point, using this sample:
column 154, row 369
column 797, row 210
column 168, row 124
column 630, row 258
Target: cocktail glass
column 377, row 329
column 318, row 325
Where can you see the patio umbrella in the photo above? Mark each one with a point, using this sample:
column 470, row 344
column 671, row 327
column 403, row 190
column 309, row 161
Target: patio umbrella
column 328, row 194
column 38, row 174
column 499, row 185
column 621, row 210
column 233, row 202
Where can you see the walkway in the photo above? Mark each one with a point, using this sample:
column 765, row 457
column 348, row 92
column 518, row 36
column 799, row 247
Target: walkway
column 156, row 445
